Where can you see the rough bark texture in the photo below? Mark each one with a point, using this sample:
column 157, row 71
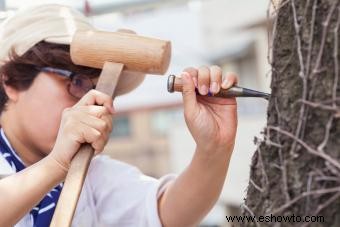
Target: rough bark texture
column 296, row 168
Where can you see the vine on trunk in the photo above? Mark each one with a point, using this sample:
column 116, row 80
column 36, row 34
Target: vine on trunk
column 296, row 168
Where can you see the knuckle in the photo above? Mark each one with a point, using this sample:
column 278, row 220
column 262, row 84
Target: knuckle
column 86, row 97
column 103, row 126
column 97, row 135
column 94, row 110
column 191, row 70
column 93, row 92
column 203, row 69
column 101, row 94
column 109, row 126
column 103, row 111
column 216, row 67
column 216, row 70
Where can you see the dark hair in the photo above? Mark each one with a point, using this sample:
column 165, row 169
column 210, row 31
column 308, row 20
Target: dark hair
column 20, row 71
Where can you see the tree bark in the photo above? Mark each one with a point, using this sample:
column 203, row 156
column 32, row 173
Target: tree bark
column 296, row 168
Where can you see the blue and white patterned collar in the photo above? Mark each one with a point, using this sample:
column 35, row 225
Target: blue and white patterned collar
column 42, row 213
column 4, row 137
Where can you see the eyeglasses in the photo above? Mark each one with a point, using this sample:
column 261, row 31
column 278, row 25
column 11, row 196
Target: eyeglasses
column 79, row 84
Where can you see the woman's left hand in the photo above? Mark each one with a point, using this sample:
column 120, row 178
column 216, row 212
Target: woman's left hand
column 212, row 121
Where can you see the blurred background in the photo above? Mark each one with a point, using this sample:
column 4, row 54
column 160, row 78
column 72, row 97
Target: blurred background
column 149, row 129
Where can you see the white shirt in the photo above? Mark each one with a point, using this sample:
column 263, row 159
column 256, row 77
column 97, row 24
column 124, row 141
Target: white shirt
column 114, row 194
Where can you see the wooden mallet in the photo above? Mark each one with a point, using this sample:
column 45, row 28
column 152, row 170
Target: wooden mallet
column 124, row 59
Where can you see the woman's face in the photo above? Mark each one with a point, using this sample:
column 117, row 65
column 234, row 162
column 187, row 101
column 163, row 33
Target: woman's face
column 39, row 109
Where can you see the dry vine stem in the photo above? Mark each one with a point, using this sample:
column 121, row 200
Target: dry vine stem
column 296, row 168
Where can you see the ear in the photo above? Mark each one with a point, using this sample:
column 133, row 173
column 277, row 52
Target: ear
column 12, row 93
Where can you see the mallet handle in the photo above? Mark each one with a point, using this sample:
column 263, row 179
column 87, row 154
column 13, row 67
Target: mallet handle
column 75, row 178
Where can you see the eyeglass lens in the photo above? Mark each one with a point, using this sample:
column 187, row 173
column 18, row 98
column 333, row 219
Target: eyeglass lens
column 80, row 85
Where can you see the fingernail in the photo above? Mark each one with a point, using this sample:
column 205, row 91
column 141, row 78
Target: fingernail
column 195, row 81
column 214, row 87
column 226, row 84
column 204, row 90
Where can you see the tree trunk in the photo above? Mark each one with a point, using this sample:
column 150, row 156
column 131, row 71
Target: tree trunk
column 296, row 168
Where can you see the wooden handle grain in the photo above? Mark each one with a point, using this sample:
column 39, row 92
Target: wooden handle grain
column 137, row 53
column 69, row 196
column 75, row 178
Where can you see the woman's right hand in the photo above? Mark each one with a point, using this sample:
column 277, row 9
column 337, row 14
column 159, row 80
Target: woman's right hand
column 88, row 121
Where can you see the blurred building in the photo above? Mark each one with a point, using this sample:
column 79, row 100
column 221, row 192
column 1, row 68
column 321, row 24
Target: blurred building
column 141, row 137
column 149, row 129
column 231, row 34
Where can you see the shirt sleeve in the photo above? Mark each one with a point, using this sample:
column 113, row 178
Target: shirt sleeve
column 123, row 196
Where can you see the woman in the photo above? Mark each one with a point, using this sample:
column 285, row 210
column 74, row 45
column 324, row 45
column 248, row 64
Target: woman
column 49, row 108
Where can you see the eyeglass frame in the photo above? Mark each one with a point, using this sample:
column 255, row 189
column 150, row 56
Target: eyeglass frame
column 70, row 75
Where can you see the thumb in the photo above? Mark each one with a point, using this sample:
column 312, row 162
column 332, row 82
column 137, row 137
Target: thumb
column 189, row 94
